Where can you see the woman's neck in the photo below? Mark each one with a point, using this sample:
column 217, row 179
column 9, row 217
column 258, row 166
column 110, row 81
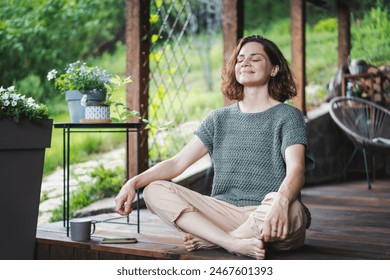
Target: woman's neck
column 256, row 100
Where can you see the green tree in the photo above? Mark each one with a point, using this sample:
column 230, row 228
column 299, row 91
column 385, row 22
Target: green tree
column 38, row 35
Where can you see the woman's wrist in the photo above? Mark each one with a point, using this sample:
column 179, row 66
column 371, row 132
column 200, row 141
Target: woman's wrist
column 285, row 195
column 283, row 200
column 131, row 184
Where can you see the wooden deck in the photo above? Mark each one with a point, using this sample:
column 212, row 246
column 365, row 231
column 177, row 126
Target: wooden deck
column 349, row 222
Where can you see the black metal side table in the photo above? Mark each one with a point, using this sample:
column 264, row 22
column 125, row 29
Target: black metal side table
column 69, row 128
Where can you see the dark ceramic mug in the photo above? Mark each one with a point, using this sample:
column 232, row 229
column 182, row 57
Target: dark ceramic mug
column 81, row 229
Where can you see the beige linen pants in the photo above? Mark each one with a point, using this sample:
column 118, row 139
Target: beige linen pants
column 169, row 200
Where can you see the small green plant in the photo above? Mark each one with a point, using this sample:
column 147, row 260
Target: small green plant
column 122, row 111
column 113, row 85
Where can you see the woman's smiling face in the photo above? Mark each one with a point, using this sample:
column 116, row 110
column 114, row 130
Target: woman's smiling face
column 253, row 67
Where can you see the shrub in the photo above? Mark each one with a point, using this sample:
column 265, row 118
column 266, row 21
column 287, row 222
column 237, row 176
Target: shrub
column 327, row 25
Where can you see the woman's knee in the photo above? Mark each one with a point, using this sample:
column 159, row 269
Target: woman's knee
column 151, row 191
column 297, row 216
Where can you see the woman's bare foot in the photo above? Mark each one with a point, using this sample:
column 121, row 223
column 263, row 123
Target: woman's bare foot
column 250, row 247
column 193, row 243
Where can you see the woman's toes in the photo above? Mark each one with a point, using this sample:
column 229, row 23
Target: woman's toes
column 260, row 255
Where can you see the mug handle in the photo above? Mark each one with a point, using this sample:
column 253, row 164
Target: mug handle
column 93, row 223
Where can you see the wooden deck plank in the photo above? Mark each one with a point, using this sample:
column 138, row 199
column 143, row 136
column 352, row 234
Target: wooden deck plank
column 349, row 222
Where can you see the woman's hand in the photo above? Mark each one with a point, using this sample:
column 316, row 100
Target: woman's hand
column 125, row 198
column 276, row 224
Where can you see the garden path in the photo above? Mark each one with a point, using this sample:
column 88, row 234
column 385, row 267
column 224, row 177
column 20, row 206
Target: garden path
column 52, row 185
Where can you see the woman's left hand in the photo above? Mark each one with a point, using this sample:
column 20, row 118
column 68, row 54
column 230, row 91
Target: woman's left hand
column 276, row 224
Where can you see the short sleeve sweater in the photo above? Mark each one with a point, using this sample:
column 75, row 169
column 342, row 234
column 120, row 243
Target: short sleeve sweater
column 248, row 150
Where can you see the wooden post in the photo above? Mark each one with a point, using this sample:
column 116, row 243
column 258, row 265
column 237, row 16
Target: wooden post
column 298, row 41
column 137, row 66
column 344, row 33
column 233, row 29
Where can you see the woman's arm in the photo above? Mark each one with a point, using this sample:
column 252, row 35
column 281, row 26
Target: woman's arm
column 165, row 170
column 276, row 225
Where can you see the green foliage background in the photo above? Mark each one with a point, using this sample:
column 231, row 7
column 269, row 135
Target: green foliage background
column 39, row 35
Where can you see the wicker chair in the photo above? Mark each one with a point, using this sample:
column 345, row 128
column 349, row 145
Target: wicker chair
column 365, row 123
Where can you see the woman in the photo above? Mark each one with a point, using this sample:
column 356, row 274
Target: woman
column 258, row 148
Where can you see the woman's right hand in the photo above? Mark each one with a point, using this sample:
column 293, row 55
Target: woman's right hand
column 125, row 198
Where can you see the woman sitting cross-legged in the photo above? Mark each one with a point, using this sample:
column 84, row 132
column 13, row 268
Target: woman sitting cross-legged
column 258, row 147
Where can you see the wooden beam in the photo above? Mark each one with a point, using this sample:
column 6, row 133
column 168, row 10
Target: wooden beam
column 298, row 42
column 137, row 66
column 233, row 29
column 344, row 33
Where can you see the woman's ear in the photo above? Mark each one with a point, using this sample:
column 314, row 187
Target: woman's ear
column 275, row 71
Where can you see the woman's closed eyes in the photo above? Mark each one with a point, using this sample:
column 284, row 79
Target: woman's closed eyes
column 254, row 58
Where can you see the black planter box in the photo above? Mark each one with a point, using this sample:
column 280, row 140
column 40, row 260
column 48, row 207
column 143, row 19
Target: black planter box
column 22, row 154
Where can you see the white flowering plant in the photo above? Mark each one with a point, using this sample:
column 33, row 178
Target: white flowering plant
column 15, row 106
column 79, row 76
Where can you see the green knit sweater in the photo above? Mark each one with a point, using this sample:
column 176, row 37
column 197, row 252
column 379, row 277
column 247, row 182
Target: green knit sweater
column 248, row 150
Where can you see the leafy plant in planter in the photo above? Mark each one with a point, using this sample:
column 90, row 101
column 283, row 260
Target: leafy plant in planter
column 95, row 87
column 25, row 132
column 16, row 107
column 79, row 76
column 120, row 108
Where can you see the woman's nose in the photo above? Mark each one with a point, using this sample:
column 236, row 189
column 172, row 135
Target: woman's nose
column 245, row 62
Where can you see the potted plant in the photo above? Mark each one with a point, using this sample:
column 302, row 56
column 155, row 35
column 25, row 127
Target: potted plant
column 25, row 134
column 122, row 112
column 83, row 85
column 102, row 112
column 89, row 92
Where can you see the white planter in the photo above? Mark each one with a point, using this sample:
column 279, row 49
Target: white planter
column 97, row 113
column 76, row 110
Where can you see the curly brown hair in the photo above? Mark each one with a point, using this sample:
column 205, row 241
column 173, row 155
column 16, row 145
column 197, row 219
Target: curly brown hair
column 280, row 87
